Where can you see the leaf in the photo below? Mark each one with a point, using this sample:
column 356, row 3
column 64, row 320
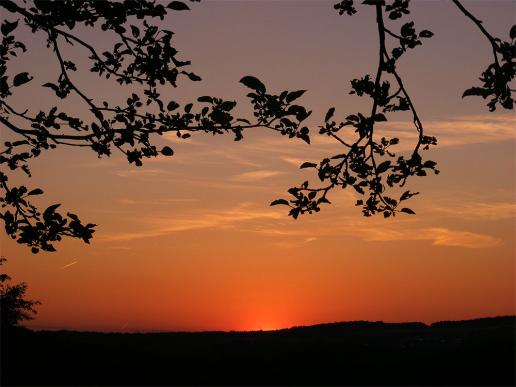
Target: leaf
column 96, row 129
column 135, row 31
column 21, row 78
column 51, row 85
column 4, row 87
column 294, row 95
column 253, row 83
column 193, row 77
column 383, row 166
column 238, row 134
column 178, row 6
column 329, row 114
column 205, row 98
column 307, row 165
column 408, row 211
column 172, row 105
column 244, row 121
column 380, row 117
column 323, row 199
column 8, row 27
column 407, row 29
column 406, row 195
column 285, row 121
column 513, row 32
column 294, row 212
column 51, row 209
column 188, row 107
column 167, row 151
column 227, row 105
column 279, row 201
column 426, row 34
column 476, row 91
column 97, row 113
column 304, row 136
column 358, row 189
column 36, row 191
column 293, row 191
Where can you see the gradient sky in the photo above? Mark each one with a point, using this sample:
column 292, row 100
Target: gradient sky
column 190, row 242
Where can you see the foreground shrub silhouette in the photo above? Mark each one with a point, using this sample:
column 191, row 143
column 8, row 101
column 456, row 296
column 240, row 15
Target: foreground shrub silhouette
column 14, row 308
column 144, row 57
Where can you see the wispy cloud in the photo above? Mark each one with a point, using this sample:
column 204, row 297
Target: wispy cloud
column 446, row 237
column 457, row 131
column 272, row 155
column 293, row 160
column 140, row 172
column 249, row 218
column 449, row 131
column 437, row 236
column 256, row 175
column 486, row 211
column 293, row 244
column 69, row 264
column 115, row 247
column 263, row 151
column 157, row 201
column 158, row 226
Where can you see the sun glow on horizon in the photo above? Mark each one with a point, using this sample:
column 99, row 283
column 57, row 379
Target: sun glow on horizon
column 190, row 243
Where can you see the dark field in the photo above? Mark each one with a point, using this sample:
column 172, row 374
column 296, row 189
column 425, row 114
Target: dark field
column 473, row 352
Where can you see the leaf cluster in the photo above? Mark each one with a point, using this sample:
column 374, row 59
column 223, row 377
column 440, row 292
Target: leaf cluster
column 369, row 164
column 27, row 225
column 497, row 77
column 143, row 55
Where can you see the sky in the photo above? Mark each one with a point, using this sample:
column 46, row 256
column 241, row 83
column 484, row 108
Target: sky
column 190, row 242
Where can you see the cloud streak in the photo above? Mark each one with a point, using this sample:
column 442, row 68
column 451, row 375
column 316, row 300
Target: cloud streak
column 159, row 226
column 69, row 264
column 457, row 131
column 249, row 218
column 255, row 175
column 475, row 210
column 438, row 236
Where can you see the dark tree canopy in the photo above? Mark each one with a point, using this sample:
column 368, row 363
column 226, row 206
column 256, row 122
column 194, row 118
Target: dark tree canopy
column 144, row 56
column 14, row 308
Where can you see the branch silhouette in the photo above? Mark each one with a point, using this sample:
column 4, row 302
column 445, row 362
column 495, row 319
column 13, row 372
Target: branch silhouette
column 144, row 56
column 369, row 165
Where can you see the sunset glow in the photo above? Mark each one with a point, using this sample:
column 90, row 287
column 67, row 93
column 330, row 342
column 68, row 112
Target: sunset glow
column 190, row 243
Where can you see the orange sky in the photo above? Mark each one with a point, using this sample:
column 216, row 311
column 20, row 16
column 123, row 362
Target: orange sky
column 190, row 242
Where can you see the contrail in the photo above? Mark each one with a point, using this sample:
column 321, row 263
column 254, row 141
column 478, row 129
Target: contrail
column 70, row 264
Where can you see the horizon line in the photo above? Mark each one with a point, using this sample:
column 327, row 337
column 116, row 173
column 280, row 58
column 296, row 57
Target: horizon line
column 150, row 331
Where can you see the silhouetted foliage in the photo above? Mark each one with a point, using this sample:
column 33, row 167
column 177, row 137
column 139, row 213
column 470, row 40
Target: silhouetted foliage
column 14, row 308
column 144, row 56
column 369, row 164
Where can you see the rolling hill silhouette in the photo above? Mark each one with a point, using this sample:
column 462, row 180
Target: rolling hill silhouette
column 472, row 352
